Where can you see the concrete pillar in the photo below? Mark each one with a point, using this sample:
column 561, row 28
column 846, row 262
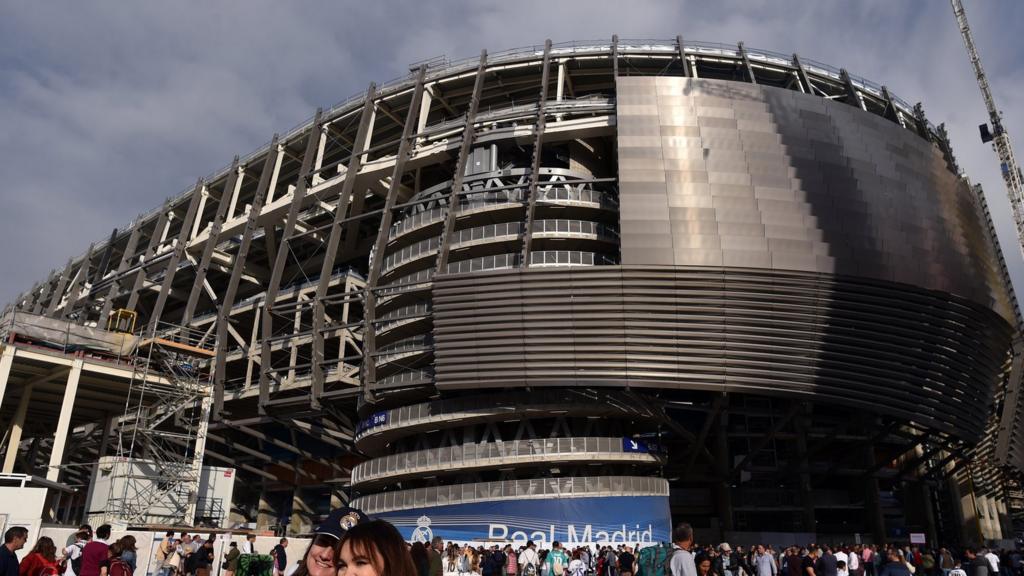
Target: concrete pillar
column 108, row 431
column 303, row 507
column 723, row 493
column 6, row 362
column 64, row 420
column 338, row 498
column 266, row 515
column 17, row 427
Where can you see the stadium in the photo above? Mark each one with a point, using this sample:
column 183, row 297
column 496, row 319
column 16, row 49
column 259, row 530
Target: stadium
column 573, row 291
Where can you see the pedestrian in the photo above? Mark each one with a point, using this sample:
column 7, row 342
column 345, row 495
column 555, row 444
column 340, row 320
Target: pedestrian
column 626, row 562
column 435, row 555
column 374, row 548
column 680, row 561
column 978, row 564
column 529, row 560
column 163, row 550
column 72, row 560
column 249, row 546
column 420, row 558
column 117, row 565
column 557, row 561
column 280, row 557
column 512, row 561
column 94, row 555
column 41, row 561
column 171, row 565
column 230, row 564
column 764, row 564
column 894, row 566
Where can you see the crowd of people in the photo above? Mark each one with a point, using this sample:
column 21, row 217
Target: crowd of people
column 350, row 544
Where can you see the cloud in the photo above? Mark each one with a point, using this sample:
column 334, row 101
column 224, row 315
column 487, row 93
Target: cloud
column 108, row 107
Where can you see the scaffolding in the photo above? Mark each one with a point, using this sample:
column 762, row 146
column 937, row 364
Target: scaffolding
column 162, row 435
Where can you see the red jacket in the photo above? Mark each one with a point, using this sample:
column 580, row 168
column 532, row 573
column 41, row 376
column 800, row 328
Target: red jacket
column 35, row 565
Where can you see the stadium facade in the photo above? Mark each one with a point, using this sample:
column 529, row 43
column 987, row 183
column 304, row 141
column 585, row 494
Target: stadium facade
column 567, row 291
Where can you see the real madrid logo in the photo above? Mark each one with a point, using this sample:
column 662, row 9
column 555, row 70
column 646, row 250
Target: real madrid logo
column 423, row 533
column 348, row 521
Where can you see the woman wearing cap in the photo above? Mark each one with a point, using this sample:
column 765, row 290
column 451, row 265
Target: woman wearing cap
column 374, row 548
column 320, row 558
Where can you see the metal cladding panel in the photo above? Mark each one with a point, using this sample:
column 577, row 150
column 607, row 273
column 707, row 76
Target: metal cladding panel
column 921, row 355
column 714, row 172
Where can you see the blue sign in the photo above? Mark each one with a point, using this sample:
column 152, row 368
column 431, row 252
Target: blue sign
column 571, row 521
column 632, row 445
column 376, row 419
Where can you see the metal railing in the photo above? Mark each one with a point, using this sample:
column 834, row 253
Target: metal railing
column 474, row 455
column 512, row 490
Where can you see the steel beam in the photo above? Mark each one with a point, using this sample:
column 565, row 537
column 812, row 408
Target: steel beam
column 58, row 292
column 124, row 264
column 75, row 290
column 228, row 300
column 203, row 266
column 154, row 243
column 369, row 305
column 615, row 57
column 802, row 74
column 682, row 56
column 853, row 97
column 538, row 144
column 176, row 255
column 746, row 63
column 468, row 134
column 102, row 269
column 274, row 284
column 355, row 162
column 767, row 438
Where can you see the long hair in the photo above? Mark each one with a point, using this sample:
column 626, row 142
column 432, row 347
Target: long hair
column 380, row 542
column 322, row 540
column 45, row 548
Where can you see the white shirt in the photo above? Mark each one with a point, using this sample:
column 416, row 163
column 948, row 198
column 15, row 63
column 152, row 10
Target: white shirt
column 993, row 560
column 72, row 553
column 854, row 561
column 529, row 556
column 248, row 547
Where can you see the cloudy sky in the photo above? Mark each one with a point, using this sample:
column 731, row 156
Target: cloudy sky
column 107, row 108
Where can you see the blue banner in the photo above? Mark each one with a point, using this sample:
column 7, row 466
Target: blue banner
column 632, row 445
column 376, row 419
column 572, row 521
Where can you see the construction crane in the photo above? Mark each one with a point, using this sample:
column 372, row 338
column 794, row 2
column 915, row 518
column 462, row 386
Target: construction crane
column 997, row 134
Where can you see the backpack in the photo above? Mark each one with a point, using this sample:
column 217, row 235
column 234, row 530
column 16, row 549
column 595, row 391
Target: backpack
column 76, row 563
column 556, row 566
column 655, row 560
column 529, row 569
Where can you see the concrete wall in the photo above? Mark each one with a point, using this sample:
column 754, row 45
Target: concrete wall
column 22, row 507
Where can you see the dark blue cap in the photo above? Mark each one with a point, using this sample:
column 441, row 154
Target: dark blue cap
column 340, row 520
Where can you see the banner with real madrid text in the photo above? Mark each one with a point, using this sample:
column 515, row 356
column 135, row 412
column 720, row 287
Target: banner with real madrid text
column 572, row 521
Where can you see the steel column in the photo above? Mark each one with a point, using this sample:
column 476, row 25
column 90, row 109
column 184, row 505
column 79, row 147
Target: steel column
column 75, row 290
column 538, row 144
column 176, row 255
column 682, row 56
column 58, row 292
column 274, row 284
column 211, row 243
column 746, row 63
column 355, row 163
column 370, row 303
column 154, row 243
column 228, row 300
column 126, row 259
column 468, row 134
